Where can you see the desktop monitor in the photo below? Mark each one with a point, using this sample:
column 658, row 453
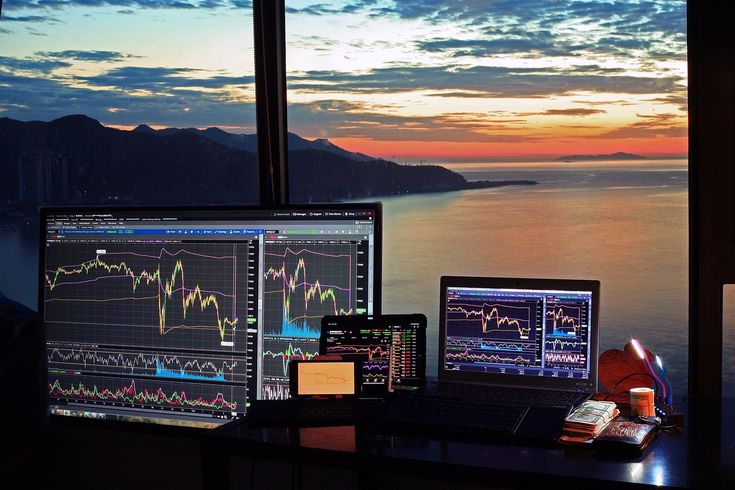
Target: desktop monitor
column 182, row 316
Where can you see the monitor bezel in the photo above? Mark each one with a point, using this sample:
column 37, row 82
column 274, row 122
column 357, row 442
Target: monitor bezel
column 45, row 211
column 580, row 385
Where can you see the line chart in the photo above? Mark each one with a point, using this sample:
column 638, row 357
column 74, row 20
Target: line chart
column 371, row 352
column 563, row 319
column 222, row 368
column 496, row 320
column 282, row 354
column 564, row 358
column 304, row 283
column 275, row 391
column 562, row 344
column 468, row 356
column 147, row 393
column 566, row 333
column 175, row 296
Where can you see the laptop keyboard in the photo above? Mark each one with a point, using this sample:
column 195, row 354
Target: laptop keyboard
column 450, row 416
column 507, row 396
column 313, row 412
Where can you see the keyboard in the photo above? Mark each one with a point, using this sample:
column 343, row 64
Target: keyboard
column 313, row 412
column 501, row 395
column 451, row 416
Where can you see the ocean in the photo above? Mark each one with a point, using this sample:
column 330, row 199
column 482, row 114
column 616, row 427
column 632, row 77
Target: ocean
column 623, row 223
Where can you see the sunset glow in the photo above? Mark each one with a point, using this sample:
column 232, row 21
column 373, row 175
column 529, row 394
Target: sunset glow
column 405, row 80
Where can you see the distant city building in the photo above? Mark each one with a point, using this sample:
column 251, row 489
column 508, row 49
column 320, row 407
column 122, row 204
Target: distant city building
column 43, row 177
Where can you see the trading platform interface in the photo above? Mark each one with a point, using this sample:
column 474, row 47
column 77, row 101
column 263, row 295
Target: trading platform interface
column 518, row 331
column 390, row 348
column 184, row 316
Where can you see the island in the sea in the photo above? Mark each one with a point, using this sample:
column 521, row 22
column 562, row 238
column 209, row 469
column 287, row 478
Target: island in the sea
column 621, row 155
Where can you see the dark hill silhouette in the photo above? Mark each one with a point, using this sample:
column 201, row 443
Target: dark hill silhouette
column 106, row 164
column 173, row 166
column 249, row 142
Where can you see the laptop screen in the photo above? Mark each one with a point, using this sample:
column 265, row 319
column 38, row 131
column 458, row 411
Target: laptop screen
column 525, row 332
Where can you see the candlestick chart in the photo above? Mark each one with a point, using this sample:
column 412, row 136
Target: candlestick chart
column 177, row 296
column 151, row 394
column 303, row 283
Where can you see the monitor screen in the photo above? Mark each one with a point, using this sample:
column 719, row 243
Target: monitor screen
column 391, row 348
column 324, row 378
column 497, row 329
column 183, row 315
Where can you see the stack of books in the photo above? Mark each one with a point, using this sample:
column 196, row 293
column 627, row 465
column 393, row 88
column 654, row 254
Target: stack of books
column 587, row 421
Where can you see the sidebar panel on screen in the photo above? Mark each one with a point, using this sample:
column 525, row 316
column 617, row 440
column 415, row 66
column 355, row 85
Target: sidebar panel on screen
column 312, row 268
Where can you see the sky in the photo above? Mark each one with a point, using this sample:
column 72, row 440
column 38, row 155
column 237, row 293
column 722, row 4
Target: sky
column 421, row 80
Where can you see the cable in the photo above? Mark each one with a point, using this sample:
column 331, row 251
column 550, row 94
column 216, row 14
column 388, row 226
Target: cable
column 640, row 373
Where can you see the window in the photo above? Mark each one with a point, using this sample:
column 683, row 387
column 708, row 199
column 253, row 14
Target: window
column 107, row 82
column 564, row 124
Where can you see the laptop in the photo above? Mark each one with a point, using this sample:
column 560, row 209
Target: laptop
column 531, row 342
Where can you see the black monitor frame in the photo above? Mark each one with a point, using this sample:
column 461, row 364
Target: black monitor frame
column 589, row 385
column 246, row 212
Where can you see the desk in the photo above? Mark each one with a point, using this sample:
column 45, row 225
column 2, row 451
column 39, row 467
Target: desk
column 670, row 462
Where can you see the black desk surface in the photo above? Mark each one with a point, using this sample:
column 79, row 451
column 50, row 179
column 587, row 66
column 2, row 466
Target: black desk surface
column 672, row 461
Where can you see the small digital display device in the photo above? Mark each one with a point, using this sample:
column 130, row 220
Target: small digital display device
column 390, row 348
column 324, row 378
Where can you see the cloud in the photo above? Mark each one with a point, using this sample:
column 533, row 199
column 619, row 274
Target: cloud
column 27, row 18
column 491, row 81
column 162, row 79
column 551, row 27
column 541, row 43
column 336, row 118
column 577, row 111
column 324, row 9
column 93, row 56
column 129, row 4
column 45, row 98
column 32, row 65
column 651, row 126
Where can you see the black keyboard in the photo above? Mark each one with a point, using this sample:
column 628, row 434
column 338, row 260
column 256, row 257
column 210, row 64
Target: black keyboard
column 313, row 412
column 501, row 395
column 451, row 416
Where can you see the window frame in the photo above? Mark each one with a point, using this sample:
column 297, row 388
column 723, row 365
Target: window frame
column 708, row 40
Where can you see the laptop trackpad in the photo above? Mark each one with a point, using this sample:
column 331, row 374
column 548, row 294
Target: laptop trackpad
column 543, row 424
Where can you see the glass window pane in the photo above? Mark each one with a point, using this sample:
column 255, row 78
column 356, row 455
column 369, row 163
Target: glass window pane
column 89, row 94
column 575, row 112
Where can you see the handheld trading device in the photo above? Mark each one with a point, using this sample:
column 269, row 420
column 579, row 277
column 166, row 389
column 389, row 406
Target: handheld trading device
column 391, row 348
column 318, row 377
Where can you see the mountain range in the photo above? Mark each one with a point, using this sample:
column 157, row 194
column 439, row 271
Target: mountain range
column 249, row 142
column 191, row 166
